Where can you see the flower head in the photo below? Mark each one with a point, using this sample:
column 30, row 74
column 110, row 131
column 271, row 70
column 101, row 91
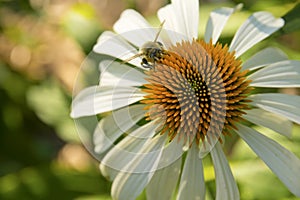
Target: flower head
column 195, row 93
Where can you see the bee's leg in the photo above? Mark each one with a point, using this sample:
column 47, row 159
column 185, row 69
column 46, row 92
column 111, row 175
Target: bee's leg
column 146, row 64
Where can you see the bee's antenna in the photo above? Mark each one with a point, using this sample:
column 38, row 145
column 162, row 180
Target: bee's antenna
column 131, row 58
column 160, row 28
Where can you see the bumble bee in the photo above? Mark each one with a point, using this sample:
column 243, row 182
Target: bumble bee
column 150, row 52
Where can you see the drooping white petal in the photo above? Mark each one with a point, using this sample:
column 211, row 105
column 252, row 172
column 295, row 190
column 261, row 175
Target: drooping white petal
column 114, row 45
column 113, row 126
column 264, row 57
column 257, row 27
column 181, row 19
column 164, row 181
column 125, row 151
column 130, row 185
column 97, row 99
column 270, row 120
column 115, row 74
column 212, row 138
column 279, row 75
column 134, row 28
column 225, row 184
column 282, row 104
column 216, row 22
column 192, row 185
column 282, row 162
column 172, row 152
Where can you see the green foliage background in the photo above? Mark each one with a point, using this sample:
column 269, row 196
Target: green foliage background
column 41, row 155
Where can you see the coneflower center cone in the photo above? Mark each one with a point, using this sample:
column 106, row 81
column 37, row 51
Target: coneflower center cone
column 196, row 89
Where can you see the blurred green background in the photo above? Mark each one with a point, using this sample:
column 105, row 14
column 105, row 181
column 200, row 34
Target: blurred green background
column 42, row 45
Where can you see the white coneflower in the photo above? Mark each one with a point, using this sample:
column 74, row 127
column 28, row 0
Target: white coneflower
column 197, row 91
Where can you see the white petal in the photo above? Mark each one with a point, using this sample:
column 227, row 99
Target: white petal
column 270, row 120
column 95, row 99
column 172, row 152
column 281, row 161
column 216, row 22
column 192, row 185
column 168, row 15
column 181, row 19
column 188, row 11
column 212, row 139
column 126, row 150
column 264, row 57
column 134, row 28
column 115, row 74
column 279, row 75
column 225, row 184
column 114, row 45
column 129, row 185
column 113, row 126
column 257, row 27
column 282, row 104
column 164, row 181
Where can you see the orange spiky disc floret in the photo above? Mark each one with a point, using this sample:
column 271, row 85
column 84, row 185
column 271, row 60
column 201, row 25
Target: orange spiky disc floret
column 196, row 89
